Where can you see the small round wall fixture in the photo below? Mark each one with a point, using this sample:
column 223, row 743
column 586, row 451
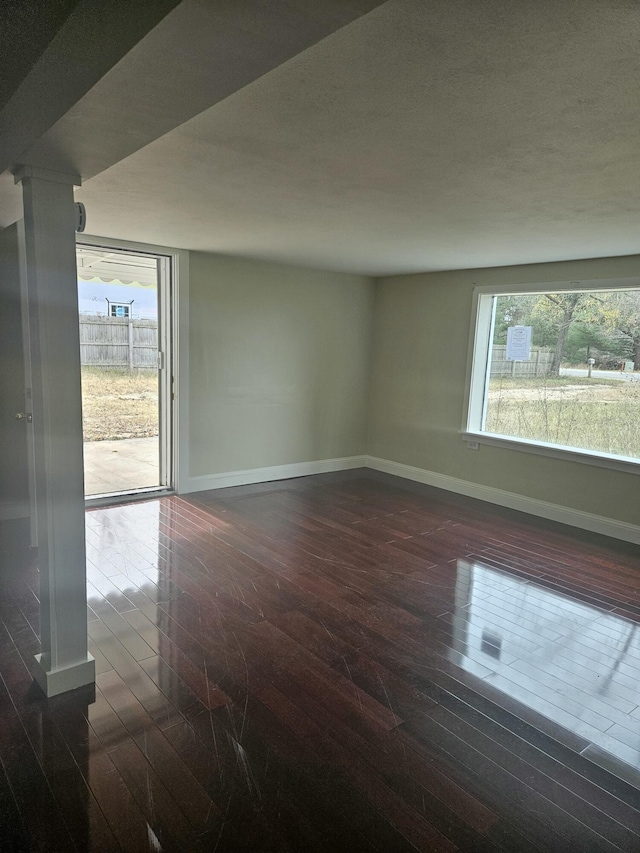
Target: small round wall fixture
column 81, row 217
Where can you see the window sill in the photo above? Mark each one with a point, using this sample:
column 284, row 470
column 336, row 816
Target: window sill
column 556, row 451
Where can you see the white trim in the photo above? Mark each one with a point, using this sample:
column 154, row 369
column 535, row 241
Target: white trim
column 119, row 498
column 55, row 681
column 556, row 451
column 28, row 385
column 626, row 283
column 543, row 509
column 22, row 173
column 180, row 344
column 477, row 379
column 275, row 472
column 478, row 372
column 166, row 367
column 10, row 510
column 181, row 379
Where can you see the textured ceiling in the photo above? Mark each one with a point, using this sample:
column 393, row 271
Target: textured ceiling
column 26, row 29
column 424, row 135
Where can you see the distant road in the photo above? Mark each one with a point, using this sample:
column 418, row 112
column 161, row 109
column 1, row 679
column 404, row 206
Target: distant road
column 601, row 374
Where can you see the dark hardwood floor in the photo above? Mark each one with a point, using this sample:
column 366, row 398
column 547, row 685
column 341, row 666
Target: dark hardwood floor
column 343, row 662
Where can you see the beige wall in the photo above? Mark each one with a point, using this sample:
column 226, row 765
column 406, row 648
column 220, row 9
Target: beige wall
column 279, row 362
column 421, row 339
column 13, row 443
column 293, row 365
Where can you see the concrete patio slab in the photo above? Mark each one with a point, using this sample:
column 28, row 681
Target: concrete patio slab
column 121, row 466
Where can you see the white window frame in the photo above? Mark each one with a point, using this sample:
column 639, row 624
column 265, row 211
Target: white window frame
column 127, row 308
column 477, row 381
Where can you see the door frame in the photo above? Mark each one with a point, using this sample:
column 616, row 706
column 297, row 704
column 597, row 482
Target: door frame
column 177, row 270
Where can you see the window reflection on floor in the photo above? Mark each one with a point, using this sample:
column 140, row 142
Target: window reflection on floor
column 123, row 552
column 577, row 665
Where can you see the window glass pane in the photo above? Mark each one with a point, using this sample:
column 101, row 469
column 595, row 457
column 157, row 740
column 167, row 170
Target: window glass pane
column 563, row 369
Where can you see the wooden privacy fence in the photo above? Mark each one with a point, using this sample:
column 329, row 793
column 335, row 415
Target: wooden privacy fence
column 538, row 365
column 118, row 342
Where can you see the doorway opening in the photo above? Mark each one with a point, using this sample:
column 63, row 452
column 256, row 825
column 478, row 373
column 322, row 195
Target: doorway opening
column 124, row 304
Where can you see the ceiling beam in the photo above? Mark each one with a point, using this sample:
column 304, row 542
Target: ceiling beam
column 93, row 38
column 200, row 53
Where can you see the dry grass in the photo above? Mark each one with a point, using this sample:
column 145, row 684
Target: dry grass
column 585, row 413
column 119, row 403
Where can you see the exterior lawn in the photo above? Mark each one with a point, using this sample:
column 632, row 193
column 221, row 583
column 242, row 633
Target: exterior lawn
column 119, row 404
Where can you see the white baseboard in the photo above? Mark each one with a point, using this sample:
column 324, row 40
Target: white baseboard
column 10, row 510
column 275, row 472
column 543, row 509
column 56, row 681
column 554, row 512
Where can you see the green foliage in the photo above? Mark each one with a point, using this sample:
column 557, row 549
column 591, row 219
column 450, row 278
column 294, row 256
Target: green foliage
column 577, row 325
column 589, row 340
column 515, row 310
column 620, row 313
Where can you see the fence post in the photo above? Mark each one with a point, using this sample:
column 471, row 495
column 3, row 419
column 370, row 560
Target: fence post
column 130, row 324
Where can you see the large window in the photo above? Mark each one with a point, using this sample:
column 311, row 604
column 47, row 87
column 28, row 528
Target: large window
column 557, row 370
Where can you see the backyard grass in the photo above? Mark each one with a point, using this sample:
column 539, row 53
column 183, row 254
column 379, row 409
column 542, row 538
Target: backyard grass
column 575, row 412
column 119, row 404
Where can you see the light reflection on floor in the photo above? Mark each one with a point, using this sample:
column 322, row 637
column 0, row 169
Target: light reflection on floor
column 577, row 665
column 123, row 541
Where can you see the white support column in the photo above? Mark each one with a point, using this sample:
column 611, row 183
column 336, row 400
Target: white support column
column 52, row 298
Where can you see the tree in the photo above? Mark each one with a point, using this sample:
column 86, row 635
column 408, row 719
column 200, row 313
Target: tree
column 529, row 309
column 589, row 339
column 603, row 342
column 606, row 321
column 513, row 310
column 620, row 314
column 566, row 305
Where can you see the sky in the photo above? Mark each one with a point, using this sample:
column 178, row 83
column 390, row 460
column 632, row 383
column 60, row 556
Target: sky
column 92, row 296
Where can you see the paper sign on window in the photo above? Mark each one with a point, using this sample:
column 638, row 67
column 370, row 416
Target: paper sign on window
column 519, row 343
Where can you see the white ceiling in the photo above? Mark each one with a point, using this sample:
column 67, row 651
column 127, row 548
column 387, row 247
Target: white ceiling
column 427, row 134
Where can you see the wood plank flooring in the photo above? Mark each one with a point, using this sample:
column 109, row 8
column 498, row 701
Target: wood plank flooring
column 345, row 662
